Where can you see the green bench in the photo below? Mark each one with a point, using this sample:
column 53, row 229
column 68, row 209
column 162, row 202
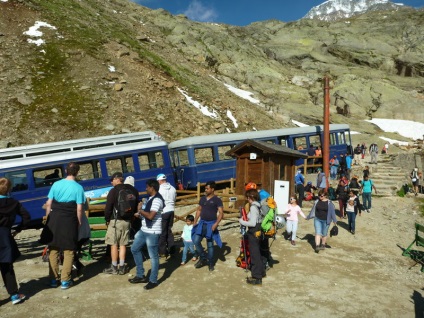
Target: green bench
column 417, row 256
column 98, row 230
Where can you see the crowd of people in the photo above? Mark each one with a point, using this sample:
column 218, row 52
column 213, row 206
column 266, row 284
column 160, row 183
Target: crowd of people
column 155, row 215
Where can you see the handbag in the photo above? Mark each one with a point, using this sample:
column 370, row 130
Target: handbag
column 334, row 231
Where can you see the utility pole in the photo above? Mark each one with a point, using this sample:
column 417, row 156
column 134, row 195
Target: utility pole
column 326, row 145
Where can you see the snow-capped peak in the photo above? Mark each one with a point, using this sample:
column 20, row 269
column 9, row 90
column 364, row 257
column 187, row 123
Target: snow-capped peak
column 338, row 9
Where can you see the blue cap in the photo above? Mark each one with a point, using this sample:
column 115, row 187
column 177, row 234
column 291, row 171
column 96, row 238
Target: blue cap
column 263, row 194
column 161, row 176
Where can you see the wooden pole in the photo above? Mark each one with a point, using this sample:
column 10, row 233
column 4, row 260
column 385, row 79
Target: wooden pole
column 326, row 145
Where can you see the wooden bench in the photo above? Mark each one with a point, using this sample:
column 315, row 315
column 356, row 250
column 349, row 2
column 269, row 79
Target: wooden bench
column 98, row 230
column 417, row 256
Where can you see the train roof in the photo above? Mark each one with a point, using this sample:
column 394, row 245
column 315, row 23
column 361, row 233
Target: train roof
column 210, row 139
column 77, row 155
column 75, row 144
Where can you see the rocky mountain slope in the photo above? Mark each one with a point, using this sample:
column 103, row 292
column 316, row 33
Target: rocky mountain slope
column 113, row 66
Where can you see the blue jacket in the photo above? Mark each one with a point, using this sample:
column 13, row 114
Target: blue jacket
column 197, row 229
column 331, row 216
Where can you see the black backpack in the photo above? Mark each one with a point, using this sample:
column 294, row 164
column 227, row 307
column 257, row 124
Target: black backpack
column 126, row 200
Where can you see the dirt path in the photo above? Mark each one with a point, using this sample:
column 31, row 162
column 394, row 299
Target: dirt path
column 362, row 275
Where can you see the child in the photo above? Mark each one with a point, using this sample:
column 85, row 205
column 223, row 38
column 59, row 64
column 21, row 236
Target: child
column 188, row 243
column 292, row 220
column 352, row 208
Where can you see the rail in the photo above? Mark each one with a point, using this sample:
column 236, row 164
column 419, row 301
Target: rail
column 305, row 166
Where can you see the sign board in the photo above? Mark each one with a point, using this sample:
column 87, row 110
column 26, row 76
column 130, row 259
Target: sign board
column 281, row 195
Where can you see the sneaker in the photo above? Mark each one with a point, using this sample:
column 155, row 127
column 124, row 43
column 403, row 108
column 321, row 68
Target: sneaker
column 194, row 259
column 54, row 283
column 150, row 285
column 254, row 281
column 211, row 268
column 293, row 243
column 368, row 211
column 17, row 298
column 111, row 270
column 138, row 280
column 66, row 284
column 183, row 263
column 201, row 263
column 123, row 269
column 317, row 249
column 322, row 247
column 353, row 232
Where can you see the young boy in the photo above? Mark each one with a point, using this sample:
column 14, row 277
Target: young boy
column 188, row 243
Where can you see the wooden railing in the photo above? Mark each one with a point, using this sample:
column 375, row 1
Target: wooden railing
column 305, row 164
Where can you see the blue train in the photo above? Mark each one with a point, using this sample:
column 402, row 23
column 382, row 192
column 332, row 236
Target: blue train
column 33, row 169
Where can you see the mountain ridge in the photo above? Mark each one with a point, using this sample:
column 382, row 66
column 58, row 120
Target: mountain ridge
column 65, row 89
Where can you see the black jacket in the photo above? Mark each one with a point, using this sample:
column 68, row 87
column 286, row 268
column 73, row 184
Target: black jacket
column 112, row 201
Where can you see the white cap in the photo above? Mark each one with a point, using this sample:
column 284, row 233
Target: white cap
column 129, row 180
column 161, row 176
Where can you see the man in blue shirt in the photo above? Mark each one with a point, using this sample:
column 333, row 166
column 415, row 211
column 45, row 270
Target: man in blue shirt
column 367, row 186
column 299, row 181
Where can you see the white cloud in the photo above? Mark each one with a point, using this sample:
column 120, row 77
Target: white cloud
column 198, row 12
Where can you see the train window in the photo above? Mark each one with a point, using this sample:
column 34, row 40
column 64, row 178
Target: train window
column 333, row 140
column 342, row 138
column 283, row 142
column 19, row 180
column 47, row 176
column 150, row 160
column 222, row 150
column 315, row 140
column 271, row 141
column 128, row 164
column 114, row 165
column 182, row 158
column 203, row 155
column 299, row 143
column 89, row 170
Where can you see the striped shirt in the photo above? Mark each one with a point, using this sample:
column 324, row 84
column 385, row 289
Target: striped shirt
column 156, row 227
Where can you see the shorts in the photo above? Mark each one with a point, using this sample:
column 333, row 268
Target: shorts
column 118, row 233
column 321, row 227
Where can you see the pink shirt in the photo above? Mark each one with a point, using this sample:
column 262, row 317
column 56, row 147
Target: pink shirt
column 293, row 212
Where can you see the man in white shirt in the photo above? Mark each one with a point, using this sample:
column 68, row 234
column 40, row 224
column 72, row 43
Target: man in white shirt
column 149, row 234
column 169, row 194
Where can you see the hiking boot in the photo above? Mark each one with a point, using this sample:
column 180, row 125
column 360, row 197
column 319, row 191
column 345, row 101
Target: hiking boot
column 54, row 283
column 17, row 298
column 151, row 285
column 123, row 269
column 201, row 263
column 254, row 281
column 111, row 270
column 138, row 280
column 66, row 284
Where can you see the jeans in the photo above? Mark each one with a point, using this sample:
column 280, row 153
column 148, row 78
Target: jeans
column 188, row 246
column 9, row 278
column 321, row 227
column 351, row 217
column 333, row 172
column 291, row 227
column 366, row 200
column 197, row 240
column 152, row 242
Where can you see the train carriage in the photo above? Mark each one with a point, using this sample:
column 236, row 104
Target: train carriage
column 202, row 158
column 33, row 176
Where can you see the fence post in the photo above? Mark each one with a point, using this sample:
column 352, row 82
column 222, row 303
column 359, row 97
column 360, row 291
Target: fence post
column 198, row 191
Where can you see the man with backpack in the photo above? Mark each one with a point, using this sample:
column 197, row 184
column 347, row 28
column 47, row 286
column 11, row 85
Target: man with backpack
column 121, row 204
column 373, row 152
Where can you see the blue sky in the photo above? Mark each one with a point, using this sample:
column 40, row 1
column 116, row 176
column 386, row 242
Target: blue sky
column 242, row 12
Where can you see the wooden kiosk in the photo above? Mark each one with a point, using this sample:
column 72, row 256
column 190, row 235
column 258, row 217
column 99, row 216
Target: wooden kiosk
column 263, row 163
